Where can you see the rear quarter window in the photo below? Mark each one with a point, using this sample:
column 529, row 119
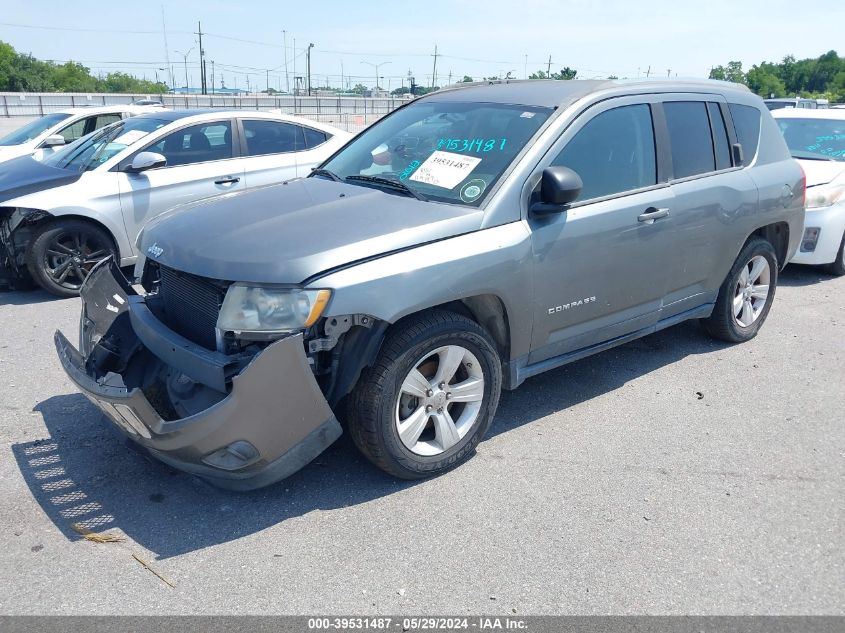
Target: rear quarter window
column 747, row 125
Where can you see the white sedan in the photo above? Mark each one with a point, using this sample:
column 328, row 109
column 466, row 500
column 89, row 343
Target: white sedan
column 816, row 139
column 60, row 216
column 44, row 135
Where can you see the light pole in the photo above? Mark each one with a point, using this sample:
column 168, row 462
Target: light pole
column 308, row 70
column 185, row 59
column 376, row 66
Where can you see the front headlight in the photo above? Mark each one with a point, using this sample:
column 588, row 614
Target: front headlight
column 258, row 312
column 822, row 196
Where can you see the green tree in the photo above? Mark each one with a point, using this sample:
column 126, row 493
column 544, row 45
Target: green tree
column 764, row 80
column 565, row 73
column 72, row 77
column 731, row 72
column 467, row 79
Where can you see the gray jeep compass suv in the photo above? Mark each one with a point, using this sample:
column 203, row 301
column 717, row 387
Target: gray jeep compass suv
column 469, row 240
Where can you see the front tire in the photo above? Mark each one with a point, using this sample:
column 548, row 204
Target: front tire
column 430, row 397
column 746, row 295
column 62, row 253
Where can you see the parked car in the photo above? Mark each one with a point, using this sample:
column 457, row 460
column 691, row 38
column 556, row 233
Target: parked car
column 816, row 138
column 518, row 227
column 60, row 216
column 796, row 102
column 41, row 137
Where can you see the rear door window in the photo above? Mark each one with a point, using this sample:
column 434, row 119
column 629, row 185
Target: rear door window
column 689, row 138
column 272, row 137
column 105, row 119
column 614, row 152
column 747, row 125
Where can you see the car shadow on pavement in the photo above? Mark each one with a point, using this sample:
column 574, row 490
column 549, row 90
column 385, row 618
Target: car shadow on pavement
column 796, row 275
column 86, row 474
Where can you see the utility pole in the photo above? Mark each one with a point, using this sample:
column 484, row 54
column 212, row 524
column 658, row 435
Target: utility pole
column 450, row 78
column 167, row 49
column 525, row 68
column 668, row 72
column 549, row 68
column 295, row 84
column 308, row 67
column 648, row 72
column 434, row 71
column 285, row 47
column 212, row 76
column 203, row 88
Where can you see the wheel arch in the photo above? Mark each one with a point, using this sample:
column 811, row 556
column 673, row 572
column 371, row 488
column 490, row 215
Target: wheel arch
column 362, row 346
column 777, row 234
column 34, row 219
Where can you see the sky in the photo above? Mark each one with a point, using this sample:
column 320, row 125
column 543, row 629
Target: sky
column 479, row 38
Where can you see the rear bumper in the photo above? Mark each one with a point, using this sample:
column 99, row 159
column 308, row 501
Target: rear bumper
column 252, row 421
column 831, row 224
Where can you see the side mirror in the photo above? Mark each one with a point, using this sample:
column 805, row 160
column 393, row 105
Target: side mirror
column 146, row 160
column 54, row 140
column 559, row 187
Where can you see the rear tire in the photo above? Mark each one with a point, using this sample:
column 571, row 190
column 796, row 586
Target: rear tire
column 746, row 295
column 430, row 397
column 61, row 254
column 837, row 268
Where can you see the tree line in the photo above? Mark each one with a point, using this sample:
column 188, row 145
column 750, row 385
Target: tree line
column 21, row 72
column 820, row 77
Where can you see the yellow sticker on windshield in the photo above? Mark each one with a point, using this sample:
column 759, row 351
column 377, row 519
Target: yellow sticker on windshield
column 445, row 169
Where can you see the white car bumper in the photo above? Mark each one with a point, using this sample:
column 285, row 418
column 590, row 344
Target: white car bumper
column 830, row 221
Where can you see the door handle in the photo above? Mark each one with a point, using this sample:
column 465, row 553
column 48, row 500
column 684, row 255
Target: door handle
column 227, row 180
column 651, row 214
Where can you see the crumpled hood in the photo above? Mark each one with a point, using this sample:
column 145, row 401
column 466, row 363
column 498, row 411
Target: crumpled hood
column 821, row 172
column 286, row 233
column 25, row 175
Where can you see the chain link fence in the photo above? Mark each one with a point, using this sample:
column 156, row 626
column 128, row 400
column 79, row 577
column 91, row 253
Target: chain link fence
column 349, row 113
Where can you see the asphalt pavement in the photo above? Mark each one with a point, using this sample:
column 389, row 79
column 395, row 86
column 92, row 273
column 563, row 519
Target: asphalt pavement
column 673, row 475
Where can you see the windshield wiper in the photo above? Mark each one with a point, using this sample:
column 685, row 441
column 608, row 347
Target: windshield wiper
column 389, row 182
column 809, row 156
column 325, row 172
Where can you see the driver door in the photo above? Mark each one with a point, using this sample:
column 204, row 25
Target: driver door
column 602, row 266
column 201, row 164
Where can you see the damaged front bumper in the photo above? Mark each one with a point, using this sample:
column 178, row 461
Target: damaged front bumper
column 241, row 422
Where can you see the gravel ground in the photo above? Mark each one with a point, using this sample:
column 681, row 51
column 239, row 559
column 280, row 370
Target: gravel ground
column 672, row 475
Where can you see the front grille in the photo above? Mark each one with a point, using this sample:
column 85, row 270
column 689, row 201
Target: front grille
column 191, row 304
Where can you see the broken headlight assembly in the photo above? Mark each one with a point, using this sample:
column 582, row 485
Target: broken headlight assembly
column 261, row 313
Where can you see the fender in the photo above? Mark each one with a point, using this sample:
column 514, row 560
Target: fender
column 495, row 261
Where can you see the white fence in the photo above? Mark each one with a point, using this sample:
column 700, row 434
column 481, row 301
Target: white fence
column 350, row 113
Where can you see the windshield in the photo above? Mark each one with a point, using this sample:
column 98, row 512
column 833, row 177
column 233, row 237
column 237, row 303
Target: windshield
column 95, row 149
column 815, row 139
column 33, row 129
column 450, row 152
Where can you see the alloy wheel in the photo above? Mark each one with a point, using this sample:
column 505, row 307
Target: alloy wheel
column 70, row 256
column 440, row 400
column 752, row 291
